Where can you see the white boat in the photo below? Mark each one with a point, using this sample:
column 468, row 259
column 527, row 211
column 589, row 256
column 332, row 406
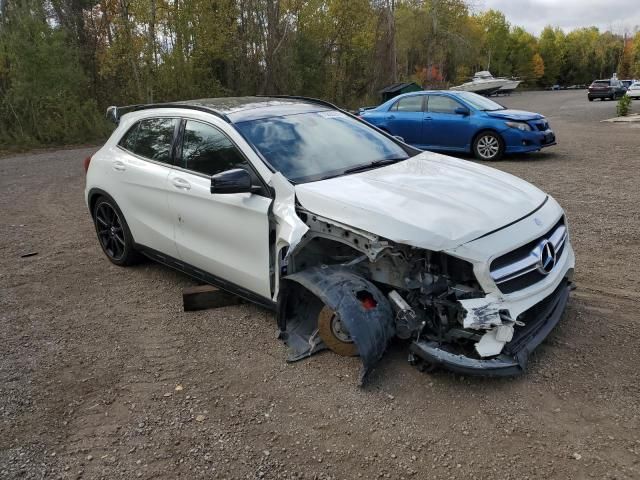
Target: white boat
column 508, row 87
column 483, row 83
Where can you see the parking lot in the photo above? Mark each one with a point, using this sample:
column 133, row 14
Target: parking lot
column 91, row 354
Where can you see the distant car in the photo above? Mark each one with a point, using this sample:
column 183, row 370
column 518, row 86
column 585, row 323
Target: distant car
column 457, row 121
column 634, row 91
column 602, row 89
column 555, row 87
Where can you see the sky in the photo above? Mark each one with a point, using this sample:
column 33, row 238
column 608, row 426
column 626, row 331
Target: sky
column 534, row 15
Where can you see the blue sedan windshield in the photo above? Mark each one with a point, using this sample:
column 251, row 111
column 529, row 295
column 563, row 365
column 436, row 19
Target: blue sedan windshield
column 311, row 146
column 479, row 102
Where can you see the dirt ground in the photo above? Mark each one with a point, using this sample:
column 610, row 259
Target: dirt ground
column 91, row 354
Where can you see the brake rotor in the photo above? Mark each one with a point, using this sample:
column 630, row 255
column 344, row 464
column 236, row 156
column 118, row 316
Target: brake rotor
column 334, row 333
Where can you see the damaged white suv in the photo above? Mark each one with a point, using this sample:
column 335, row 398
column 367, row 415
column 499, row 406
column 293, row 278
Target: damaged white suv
column 352, row 235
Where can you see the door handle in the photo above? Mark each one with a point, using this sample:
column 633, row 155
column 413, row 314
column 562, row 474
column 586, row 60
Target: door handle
column 428, row 118
column 119, row 166
column 390, row 117
column 181, row 183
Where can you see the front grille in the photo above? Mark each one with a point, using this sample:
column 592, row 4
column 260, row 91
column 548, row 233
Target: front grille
column 542, row 125
column 530, row 263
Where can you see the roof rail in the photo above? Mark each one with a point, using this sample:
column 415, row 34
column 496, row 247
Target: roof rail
column 114, row 113
column 306, row 99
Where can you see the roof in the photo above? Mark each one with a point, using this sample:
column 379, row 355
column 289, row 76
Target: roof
column 237, row 109
column 397, row 87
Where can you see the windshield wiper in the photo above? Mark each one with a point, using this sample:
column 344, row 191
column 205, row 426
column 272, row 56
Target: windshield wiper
column 374, row 164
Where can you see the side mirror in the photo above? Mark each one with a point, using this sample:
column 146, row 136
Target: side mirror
column 237, row 180
column 462, row 111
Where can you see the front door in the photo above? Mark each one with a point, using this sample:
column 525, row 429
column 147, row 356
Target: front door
column 224, row 235
column 443, row 127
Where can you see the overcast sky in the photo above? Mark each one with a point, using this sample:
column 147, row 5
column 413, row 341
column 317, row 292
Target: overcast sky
column 618, row 16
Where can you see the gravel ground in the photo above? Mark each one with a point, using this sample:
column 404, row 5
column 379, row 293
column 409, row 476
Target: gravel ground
column 102, row 375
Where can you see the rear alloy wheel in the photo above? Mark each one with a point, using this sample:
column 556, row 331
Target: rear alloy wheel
column 488, row 146
column 334, row 333
column 113, row 233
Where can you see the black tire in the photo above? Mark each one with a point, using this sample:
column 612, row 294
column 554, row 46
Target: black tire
column 488, row 146
column 113, row 233
column 591, row 99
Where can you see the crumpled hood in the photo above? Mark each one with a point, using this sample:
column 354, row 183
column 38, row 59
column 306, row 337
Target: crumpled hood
column 429, row 201
column 518, row 115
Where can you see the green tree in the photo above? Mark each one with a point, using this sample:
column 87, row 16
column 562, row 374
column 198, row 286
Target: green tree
column 551, row 47
column 42, row 84
column 496, row 42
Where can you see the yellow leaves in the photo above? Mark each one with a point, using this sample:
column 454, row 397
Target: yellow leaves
column 538, row 65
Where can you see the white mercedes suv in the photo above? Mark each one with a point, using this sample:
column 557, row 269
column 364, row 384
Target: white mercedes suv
column 351, row 235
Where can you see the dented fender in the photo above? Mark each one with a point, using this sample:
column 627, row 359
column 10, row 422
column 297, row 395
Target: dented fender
column 289, row 228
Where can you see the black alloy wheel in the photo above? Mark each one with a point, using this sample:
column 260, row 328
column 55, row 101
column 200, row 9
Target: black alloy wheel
column 113, row 233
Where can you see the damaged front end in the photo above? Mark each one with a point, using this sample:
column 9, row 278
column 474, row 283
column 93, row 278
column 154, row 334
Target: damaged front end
column 343, row 286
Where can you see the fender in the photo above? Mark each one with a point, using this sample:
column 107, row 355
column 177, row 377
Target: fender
column 338, row 288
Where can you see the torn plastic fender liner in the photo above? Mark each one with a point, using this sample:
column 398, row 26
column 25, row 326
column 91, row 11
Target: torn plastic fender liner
column 338, row 288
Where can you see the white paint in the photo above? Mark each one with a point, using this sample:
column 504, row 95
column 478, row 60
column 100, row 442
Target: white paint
column 489, row 345
column 430, row 201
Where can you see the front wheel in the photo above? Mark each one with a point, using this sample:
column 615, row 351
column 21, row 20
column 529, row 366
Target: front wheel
column 335, row 334
column 488, row 146
column 113, row 233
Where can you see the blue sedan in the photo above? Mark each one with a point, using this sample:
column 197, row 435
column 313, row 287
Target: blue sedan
column 461, row 122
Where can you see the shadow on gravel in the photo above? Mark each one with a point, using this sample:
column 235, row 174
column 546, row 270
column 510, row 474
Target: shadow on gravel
column 523, row 157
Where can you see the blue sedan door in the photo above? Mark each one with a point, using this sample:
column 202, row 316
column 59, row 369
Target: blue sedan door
column 405, row 118
column 443, row 127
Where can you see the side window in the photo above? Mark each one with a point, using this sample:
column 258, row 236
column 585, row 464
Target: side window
column 442, row 104
column 154, row 139
column 205, row 149
column 409, row 104
column 128, row 141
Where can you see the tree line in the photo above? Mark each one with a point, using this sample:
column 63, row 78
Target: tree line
column 63, row 61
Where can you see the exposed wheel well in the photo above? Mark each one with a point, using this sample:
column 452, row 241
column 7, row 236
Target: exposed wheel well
column 323, row 251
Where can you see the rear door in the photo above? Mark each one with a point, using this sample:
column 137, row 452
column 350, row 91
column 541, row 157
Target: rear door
column 142, row 164
column 405, row 118
column 224, row 235
column 443, row 127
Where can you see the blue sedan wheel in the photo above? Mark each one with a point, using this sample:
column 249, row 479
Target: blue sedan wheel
column 488, row 146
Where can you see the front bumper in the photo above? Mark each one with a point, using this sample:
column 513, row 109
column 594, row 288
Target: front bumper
column 540, row 320
column 600, row 94
column 522, row 142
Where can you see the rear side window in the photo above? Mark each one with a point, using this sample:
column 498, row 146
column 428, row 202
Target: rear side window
column 442, row 104
column 409, row 104
column 207, row 150
column 151, row 138
column 129, row 140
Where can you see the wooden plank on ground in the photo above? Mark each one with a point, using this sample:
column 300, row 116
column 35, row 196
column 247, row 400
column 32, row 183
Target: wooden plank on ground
column 202, row 297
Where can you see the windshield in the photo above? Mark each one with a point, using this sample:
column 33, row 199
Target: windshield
column 312, row 146
column 479, row 102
